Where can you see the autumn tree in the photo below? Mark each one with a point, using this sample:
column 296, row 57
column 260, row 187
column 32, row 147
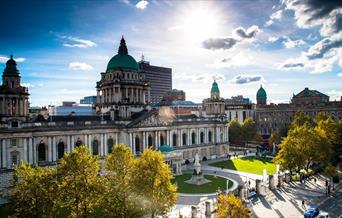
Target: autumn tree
column 34, row 192
column 152, row 182
column 330, row 171
column 275, row 138
column 303, row 146
column 120, row 200
column 79, row 184
column 229, row 206
column 300, row 119
column 235, row 132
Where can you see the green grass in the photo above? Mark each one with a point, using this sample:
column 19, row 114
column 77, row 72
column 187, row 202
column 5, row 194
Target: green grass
column 248, row 164
column 215, row 184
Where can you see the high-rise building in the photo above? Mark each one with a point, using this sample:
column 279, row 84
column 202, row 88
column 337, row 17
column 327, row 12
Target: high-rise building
column 160, row 79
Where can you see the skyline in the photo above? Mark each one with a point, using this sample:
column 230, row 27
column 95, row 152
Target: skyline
column 280, row 45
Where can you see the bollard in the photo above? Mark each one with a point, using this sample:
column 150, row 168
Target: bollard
column 193, row 212
column 207, row 208
column 271, row 182
column 280, row 180
column 258, row 184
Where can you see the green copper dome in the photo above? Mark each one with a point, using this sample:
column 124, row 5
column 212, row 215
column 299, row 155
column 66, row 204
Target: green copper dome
column 261, row 94
column 123, row 60
column 214, row 87
column 165, row 148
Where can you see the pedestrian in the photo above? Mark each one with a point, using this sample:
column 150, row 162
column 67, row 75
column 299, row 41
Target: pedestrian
column 303, row 204
column 315, row 180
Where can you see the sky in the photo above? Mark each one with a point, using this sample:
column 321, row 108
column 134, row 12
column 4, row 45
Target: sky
column 61, row 47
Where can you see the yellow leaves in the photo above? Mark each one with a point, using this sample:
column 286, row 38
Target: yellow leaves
column 229, row 206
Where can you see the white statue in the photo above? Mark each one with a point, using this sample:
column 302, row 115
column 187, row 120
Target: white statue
column 197, row 165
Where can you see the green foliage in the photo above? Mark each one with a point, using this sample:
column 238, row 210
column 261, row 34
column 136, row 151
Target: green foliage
column 330, row 171
column 119, row 199
column 249, row 130
column 34, row 192
column 152, row 182
column 229, row 206
column 235, row 132
column 79, row 185
column 303, row 146
column 275, row 138
column 300, row 119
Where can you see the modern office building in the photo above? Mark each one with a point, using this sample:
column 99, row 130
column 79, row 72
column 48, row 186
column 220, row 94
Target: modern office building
column 88, row 100
column 160, row 79
column 239, row 108
column 71, row 109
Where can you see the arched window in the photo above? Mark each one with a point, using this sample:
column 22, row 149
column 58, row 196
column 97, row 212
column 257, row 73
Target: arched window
column 41, row 152
column 202, row 137
column 209, row 136
column 78, row 143
column 60, row 150
column 161, row 140
column 149, row 141
column 110, row 144
column 174, row 140
column 137, row 145
column 95, row 147
column 193, row 138
column 184, row 139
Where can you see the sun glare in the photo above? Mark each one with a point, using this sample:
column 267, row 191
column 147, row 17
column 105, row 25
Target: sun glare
column 200, row 24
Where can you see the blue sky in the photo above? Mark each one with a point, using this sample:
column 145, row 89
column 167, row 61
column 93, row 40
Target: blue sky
column 62, row 46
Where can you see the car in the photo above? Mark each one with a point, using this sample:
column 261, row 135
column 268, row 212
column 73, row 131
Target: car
column 311, row 212
column 323, row 215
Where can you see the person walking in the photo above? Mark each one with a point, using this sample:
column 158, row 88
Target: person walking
column 303, row 204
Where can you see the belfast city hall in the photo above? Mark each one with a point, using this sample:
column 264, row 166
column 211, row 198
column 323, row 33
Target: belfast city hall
column 123, row 116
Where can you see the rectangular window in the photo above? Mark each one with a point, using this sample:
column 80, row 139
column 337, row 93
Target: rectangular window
column 14, row 159
column 13, row 142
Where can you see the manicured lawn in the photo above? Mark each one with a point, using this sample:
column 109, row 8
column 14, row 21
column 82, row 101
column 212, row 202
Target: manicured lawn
column 213, row 186
column 248, row 164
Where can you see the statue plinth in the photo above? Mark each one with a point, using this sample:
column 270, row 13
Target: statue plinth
column 197, row 176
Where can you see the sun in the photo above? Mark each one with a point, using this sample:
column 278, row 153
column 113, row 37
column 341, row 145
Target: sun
column 201, row 24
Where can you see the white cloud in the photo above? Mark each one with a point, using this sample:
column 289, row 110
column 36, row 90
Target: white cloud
column 203, row 78
column 240, row 59
column 141, row 4
column 339, row 74
column 4, row 59
column 273, row 39
column 79, row 66
column 275, row 16
column 289, row 43
column 28, row 85
column 75, row 42
column 335, row 94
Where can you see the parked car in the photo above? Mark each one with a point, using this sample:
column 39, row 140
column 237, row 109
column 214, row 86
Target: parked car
column 323, row 215
column 311, row 212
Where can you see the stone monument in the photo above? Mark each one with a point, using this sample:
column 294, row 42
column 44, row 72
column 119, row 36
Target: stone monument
column 197, row 176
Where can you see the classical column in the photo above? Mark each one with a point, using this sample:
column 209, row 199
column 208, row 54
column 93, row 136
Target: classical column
column 198, row 136
column 72, row 143
column 116, row 138
column 54, row 148
column 25, row 155
column 49, row 149
column 68, row 144
column 90, row 146
column 35, row 159
column 30, row 151
column 101, row 146
column 168, row 141
column 105, row 144
column 144, row 140
column 188, row 137
column 4, row 153
column 86, row 140
column 131, row 141
column 156, row 139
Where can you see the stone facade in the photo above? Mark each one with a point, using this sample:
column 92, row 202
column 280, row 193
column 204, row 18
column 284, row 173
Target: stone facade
column 279, row 116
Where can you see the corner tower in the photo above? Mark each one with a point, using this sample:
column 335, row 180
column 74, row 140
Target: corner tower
column 123, row 89
column 13, row 97
column 215, row 104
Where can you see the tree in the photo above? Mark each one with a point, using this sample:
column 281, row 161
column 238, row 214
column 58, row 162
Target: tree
column 119, row 198
column 300, row 119
column 249, row 130
column 152, row 182
column 330, row 171
column 235, row 132
column 79, row 183
column 275, row 138
column 303, row 146
column 330, row 129
column 229, row 206
column 33, row 192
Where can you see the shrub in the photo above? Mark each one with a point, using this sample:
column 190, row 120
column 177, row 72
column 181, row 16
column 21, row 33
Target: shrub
column 187, row 162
